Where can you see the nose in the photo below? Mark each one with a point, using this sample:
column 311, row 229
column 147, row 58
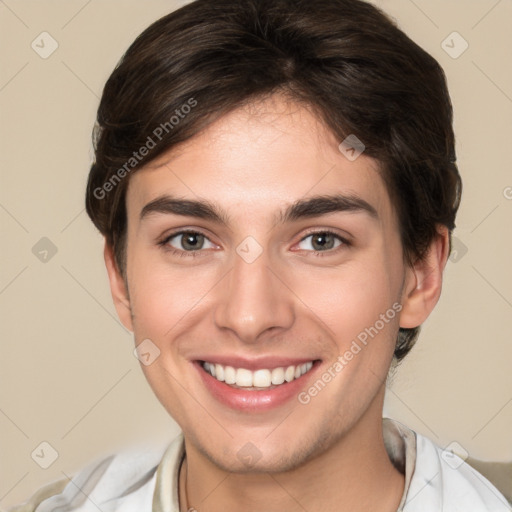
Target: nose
column 254, row 300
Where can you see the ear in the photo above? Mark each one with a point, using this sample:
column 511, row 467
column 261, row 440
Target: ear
column 423, row 282
column 118, row 288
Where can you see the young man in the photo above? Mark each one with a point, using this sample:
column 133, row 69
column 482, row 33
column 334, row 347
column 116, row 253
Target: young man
column 276, row 184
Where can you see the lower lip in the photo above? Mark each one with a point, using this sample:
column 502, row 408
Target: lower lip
column 255, row 400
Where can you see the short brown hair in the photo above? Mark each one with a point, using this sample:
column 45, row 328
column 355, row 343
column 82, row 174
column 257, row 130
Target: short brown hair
column 344, row 58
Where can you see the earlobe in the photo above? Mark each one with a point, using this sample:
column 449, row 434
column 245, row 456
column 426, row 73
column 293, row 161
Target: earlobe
column 423, row 282
column 118, row 288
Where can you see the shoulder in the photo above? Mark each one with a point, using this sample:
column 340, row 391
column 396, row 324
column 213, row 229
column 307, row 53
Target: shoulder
column 40, row 495
column 122, row 481
column 444, row 481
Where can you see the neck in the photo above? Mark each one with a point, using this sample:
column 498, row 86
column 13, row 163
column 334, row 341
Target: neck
column 355, row 474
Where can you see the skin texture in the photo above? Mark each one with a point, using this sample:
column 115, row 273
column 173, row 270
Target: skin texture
column 325, row 455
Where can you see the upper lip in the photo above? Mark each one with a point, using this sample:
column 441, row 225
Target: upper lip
column 269, row 362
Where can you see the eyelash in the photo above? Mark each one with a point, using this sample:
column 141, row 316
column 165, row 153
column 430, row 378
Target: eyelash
column 194, row 254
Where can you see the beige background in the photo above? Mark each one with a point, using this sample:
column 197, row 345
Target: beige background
column 68, row 374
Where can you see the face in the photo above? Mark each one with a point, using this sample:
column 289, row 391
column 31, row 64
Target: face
column 260, row 249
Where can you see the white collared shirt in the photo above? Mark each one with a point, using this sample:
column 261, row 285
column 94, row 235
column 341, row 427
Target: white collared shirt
column 137, row 481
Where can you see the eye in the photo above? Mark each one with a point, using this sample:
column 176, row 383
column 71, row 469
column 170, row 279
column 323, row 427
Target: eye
column 188, row 241
column 322, row 241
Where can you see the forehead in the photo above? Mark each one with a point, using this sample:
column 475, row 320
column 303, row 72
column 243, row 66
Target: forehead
column 259, row 157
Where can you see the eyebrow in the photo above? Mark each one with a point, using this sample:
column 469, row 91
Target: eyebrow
column 303, row 208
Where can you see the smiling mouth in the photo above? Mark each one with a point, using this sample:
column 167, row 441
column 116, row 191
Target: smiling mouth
column 258, row 380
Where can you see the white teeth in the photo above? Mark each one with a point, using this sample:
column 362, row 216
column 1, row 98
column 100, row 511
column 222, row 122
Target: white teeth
column 229, row 375
column 219, row 372
column 244, row 377
column 277, row 376
column 289, row 374
column 263, row 378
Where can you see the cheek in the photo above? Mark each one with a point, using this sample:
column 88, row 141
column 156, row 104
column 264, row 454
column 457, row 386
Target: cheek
column 163, row 296
column 348, row 298
column 358, row 303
